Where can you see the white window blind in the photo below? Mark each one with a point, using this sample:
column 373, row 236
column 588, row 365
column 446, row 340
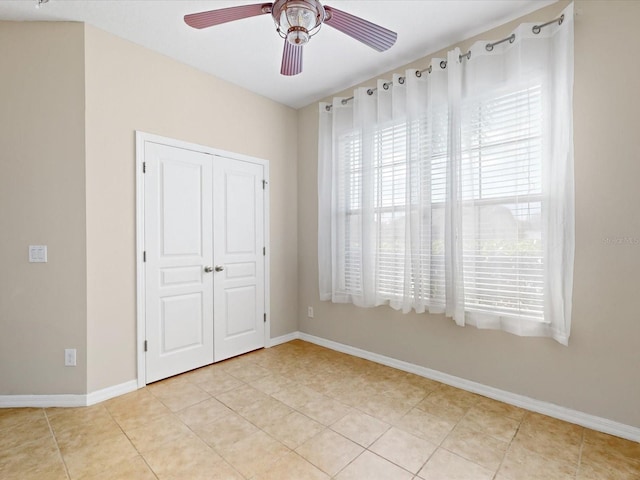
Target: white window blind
column 349, row 200
column 390, row 208
column 502, row 195
column 401, row 185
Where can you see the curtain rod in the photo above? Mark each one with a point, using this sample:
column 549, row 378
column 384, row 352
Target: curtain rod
column 443, row 64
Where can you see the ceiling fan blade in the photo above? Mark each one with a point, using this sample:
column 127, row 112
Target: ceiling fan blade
column 224, row 15
column 372, row 35
column 291, row 59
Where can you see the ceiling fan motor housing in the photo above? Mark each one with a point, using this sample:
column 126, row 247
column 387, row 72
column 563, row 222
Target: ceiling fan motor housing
column 298, row 20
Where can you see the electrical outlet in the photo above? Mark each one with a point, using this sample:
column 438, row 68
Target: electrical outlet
column 69, row 357
column 310, row 312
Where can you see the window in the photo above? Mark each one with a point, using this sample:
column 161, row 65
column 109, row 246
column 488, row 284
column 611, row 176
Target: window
column 501, row 198
column 452, row 191
column 502, row 204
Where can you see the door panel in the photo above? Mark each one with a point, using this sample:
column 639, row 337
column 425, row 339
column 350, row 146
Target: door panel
column 240, row 211
column 238, row 251
column 182, row 322
column 241, row 308
column 179, row 244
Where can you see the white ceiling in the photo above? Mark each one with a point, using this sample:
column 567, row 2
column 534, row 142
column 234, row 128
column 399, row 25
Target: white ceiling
column 248, row 52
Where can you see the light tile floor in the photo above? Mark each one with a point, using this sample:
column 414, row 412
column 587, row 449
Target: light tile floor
column 299, row 411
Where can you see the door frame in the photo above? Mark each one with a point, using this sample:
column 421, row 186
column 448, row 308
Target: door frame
column 141, row 138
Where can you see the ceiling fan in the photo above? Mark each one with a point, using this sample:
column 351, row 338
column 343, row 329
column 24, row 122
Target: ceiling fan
column 297, row 21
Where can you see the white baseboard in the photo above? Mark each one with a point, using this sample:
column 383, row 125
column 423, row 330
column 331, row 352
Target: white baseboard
column 283, row 339
column 67, row 400
column 42, row 401
column 573, row 416
column 111, row 392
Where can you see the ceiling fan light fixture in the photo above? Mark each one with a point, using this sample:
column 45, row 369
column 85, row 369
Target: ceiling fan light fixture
column 298, row 20
column 298, row 36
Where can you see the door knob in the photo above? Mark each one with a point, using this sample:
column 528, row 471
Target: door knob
column 208, row 269
column 219, row 268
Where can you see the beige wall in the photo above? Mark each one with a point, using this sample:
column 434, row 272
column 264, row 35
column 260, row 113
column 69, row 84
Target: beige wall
column 130, row 88
column 42, row 198
column 82, row 203
column 598, row 372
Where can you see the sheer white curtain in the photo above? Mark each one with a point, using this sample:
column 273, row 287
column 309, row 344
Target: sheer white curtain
column 452, row 192
column 381, row 241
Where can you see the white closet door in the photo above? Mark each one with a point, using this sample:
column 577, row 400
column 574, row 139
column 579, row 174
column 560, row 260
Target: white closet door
column 239, row 282
column 179, row 248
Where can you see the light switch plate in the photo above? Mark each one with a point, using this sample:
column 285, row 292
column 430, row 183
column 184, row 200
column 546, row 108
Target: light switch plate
column 69, row 357
column 37, row 253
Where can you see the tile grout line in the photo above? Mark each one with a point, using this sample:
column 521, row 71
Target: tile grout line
column 224, row 460
column 366, row 449
column 391, row 462
column 412, row 407
column 357, row 409
column 55, row 439
column 584, row 436
column 509, row 446
column 326, row 427
column 174, row 414
column 439, row 445
column 132, row 444
column 243, row 383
